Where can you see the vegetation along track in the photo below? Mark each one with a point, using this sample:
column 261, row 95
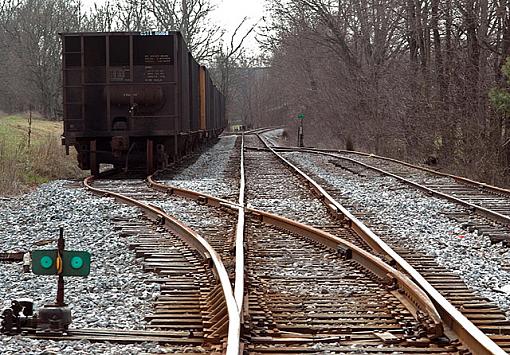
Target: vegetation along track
column 487, row 208
column 480, row 311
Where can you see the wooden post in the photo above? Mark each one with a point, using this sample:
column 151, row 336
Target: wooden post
column 300, row 134
column 29, row 124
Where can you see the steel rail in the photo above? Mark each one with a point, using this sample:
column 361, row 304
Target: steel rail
column 202, row 246
column 123, row 336
column 239, row 278
column 369, row 261
column 262, row 130
column 474, row 207
column 482, row 185
column 373, row 264
column 468, row 333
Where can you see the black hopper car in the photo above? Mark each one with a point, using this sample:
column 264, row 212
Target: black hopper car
column 135, row 99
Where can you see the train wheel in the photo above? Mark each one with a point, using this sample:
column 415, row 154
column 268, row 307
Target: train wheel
column 94, row 165
column 161, row 157
column 94, row 169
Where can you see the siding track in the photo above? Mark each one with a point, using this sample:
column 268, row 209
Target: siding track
column 268, row 334
column 459, row 293
column 487, row 208
column 196, row 304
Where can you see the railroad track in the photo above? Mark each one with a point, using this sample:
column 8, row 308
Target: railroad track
column 487, row 208
column 303, row 297
column 486, row 315
column 222, row 180
column 297, row 309
column 470, row 334
column 305, row 289
column 195, row 303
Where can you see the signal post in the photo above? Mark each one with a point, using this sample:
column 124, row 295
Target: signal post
column 52, row 318
column 301, row 118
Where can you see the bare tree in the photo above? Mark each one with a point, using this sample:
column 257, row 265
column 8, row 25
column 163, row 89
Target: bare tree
column 404, row 78
column 192, row 18
column 228, row 68
column 30, row 37
column 102, row 18
column 133, row 15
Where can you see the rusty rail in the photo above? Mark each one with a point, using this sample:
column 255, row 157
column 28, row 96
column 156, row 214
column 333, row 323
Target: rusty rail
column 474, row 207
column 239, row 279
column 468, row 333
column 415, row 294
column 202, row 246
column 262, row 130
column 482, row 185
column 217, row 202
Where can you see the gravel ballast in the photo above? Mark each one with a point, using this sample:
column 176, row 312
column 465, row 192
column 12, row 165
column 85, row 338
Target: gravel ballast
column 421, row 222
column 208, row 173
column 113, row 295
column 17, row 345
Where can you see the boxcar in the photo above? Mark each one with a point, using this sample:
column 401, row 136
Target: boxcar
column 135, row 99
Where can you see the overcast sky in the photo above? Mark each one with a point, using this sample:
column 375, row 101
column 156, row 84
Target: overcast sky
column 229, row 14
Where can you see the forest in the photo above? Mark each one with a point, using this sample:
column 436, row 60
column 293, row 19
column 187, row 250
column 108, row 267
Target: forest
column 420, row 80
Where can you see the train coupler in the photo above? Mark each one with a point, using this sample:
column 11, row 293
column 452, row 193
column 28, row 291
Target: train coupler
column 120, row 145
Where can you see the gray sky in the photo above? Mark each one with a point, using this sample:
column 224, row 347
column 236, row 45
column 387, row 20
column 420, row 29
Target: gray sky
column 228, row 14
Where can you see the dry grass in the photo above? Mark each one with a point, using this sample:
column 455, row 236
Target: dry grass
column 10, row 181
column 23, row 167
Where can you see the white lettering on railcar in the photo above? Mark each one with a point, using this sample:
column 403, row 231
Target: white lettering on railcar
column 154, row 33
column 151, row 59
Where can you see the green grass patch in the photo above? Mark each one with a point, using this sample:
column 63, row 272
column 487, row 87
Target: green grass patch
column 23, row 166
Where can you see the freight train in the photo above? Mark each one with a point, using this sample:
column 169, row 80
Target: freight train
column 135, row 99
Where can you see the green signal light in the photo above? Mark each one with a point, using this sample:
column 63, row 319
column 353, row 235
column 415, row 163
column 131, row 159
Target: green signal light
column 76, row 262
column 46, row 262
column 73, row 262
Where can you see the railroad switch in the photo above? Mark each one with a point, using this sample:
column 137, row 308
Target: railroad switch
column 18, row 317
column 53, row 318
